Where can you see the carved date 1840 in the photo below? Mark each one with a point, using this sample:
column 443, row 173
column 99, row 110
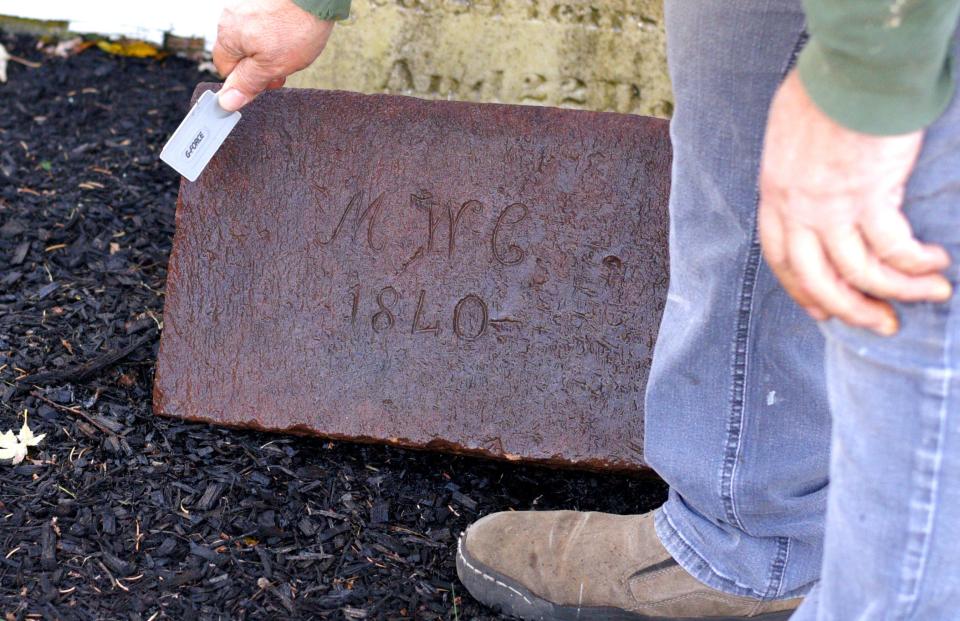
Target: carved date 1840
column 485, row 279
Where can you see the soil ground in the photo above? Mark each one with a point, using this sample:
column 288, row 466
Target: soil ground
column 122, row 515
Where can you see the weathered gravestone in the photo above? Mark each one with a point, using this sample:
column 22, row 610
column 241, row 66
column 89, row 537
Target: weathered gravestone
column 604, row 55
column 477, row 278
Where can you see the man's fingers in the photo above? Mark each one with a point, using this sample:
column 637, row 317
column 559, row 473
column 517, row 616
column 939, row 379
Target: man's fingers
column 223, row 59
column 863, row 270
column 774, row 246
column 260, row 43
column 890, row 236
column 770, row 228
column 247, row 80
column 277, row 83
column 791, row 285
column 821, row 283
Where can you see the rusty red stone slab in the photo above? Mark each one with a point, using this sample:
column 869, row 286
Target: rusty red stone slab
column 482, row 279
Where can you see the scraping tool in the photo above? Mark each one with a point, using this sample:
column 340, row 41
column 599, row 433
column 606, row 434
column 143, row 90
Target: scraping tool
column 199, row 136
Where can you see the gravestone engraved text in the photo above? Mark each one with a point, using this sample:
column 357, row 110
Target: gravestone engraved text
column 477, row 278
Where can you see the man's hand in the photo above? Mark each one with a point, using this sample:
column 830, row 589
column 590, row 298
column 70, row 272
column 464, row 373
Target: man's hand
column 260, row 43
column 831, row 223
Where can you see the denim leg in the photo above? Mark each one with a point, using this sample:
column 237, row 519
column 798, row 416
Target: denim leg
column 737, row 416
column 892, row 548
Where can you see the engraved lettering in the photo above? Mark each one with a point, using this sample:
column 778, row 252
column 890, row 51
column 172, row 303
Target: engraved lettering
column 443, row 86
column 534, row 87
column 385, row 311
column 589, row 16
column 435, row 328
column 492, row 86
column 497, row 84
column 400, row 78
column 573, row 92
column 425, row 201
column 454, row 221
column 514, row 253
column 470, row 318
column 350, row 207
column 453, row 7
column 568, row 90
column 369, row 214
column 403, row 78
column 619, row 96
column 573, row 14
column 413, row 259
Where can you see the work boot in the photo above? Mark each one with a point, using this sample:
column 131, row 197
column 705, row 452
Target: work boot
column 591, row 566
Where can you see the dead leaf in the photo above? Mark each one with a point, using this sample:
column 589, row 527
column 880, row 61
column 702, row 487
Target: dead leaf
column 129, row 47
column 70, row 47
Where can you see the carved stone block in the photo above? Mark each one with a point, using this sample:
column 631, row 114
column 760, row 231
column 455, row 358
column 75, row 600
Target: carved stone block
column 477, row 278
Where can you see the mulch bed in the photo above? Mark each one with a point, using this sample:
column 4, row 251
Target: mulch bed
column 122, row 515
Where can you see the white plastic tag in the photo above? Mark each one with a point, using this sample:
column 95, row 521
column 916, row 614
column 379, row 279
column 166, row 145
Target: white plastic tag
column 199, row 136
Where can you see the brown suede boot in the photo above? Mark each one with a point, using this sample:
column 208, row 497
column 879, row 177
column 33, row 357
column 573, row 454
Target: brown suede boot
column 571, row 565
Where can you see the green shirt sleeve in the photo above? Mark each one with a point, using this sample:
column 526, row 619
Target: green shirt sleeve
column 326, row 9
column 880, row 66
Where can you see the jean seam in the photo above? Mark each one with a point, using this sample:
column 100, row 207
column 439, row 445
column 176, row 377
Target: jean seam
column 719, row 581
column 701, row 569
column 735, row 422
column 923, row 500
column 742, row 331
column 778, row 568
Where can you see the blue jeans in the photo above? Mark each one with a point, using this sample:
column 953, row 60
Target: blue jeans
column 745, row 420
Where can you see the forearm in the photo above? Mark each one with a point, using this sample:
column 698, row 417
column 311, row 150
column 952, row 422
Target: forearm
column 880, row 67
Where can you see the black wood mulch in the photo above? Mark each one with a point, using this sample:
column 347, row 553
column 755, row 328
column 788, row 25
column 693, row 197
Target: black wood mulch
column 121, row 515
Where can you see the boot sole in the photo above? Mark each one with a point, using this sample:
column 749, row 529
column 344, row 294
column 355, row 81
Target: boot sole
column 501, row 593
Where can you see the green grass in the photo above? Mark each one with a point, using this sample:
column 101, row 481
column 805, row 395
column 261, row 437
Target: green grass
column 456, row 613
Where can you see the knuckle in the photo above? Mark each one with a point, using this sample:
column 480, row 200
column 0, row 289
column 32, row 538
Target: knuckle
column 858, row 313
column 851, row 316
column 890, row 254
column 899, row 249
column 857, row 274
column 840, row 302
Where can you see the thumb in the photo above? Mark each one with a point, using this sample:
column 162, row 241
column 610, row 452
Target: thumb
column 247, row 80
